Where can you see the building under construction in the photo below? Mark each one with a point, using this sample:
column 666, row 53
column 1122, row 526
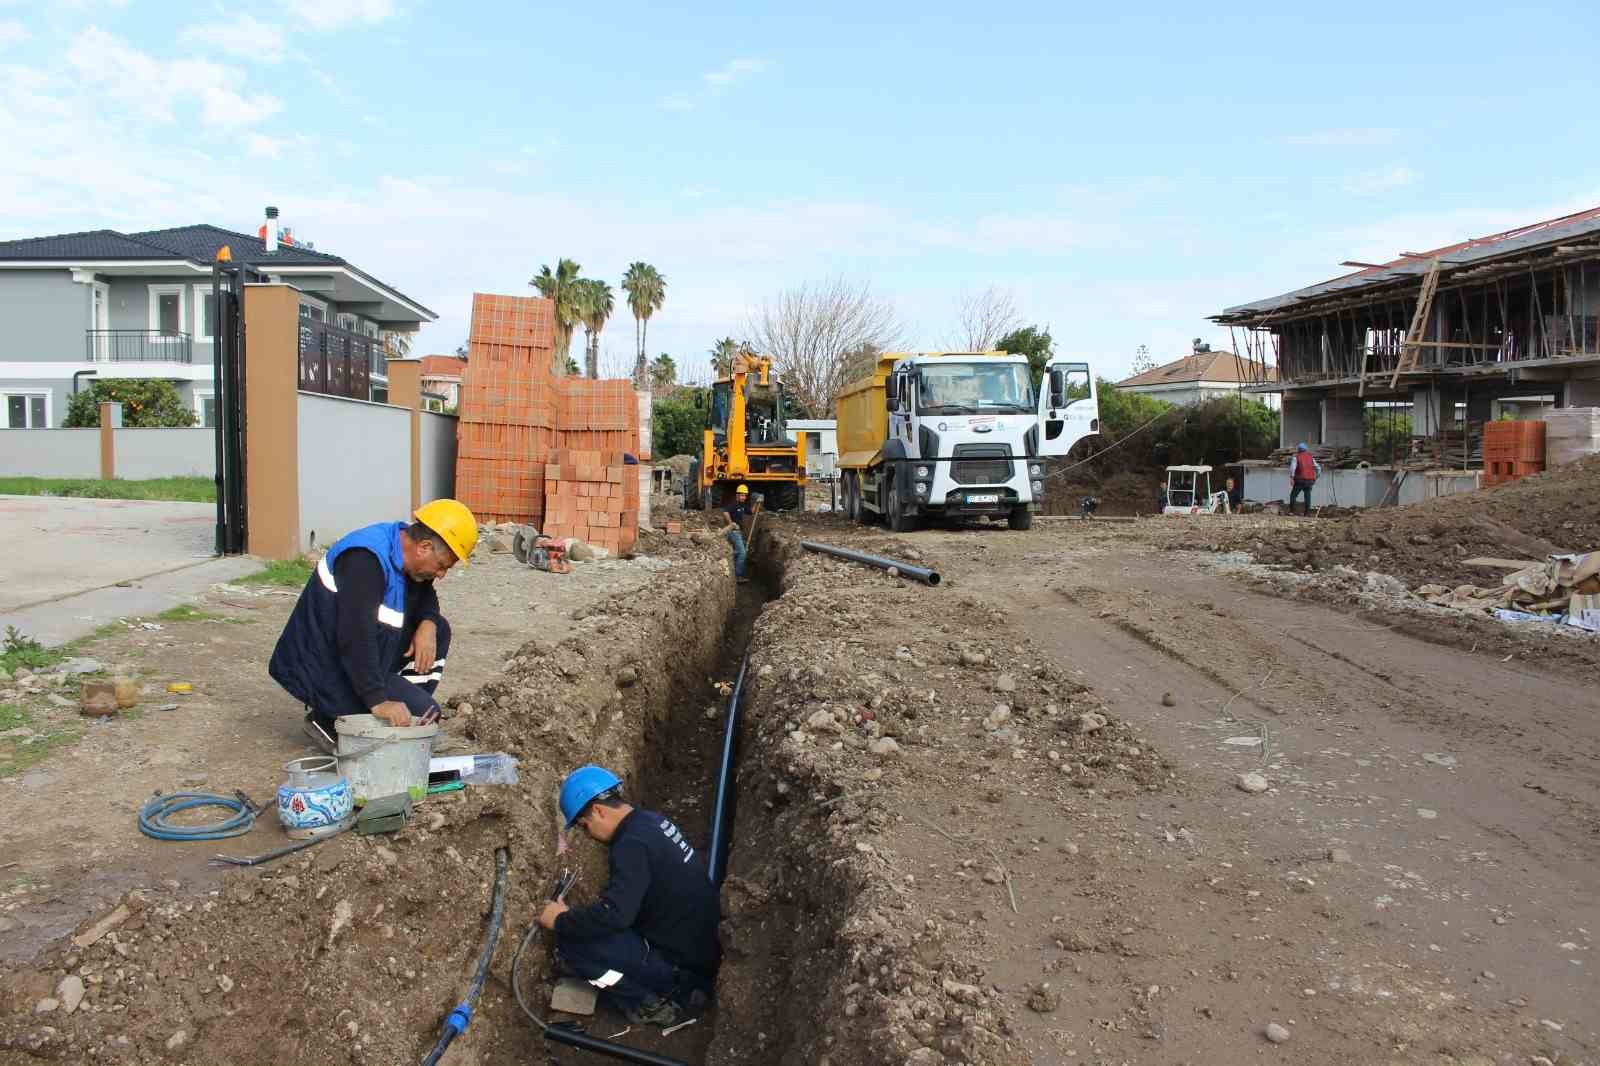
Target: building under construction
column 1457, row 334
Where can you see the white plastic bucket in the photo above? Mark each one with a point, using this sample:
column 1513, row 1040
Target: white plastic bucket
column 382, row 760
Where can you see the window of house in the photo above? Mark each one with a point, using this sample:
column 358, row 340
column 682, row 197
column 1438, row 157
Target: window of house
column 346, row 321
column 205, row 408
column 167, row 307
column 315, row 312
column 27, row 410
column 204, row 312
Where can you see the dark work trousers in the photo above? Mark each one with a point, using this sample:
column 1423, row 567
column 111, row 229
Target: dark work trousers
column 628, row 970
column 1299, row 487
column 404, row 682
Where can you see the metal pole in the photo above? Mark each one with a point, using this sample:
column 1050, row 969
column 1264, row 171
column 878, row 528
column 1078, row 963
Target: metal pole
column 216, row 405
column 916, row 573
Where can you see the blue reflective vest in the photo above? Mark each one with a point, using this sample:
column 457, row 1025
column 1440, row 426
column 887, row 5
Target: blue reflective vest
column 306, row 661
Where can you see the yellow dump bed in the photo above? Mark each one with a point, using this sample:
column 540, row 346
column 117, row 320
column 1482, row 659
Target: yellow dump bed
column 863, row 419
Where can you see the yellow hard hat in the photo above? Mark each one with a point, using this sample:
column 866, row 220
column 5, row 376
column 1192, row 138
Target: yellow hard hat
column 453, row 522
column 742, row 490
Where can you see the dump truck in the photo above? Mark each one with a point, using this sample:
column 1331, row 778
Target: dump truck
column 956, row 435
column 746, row 442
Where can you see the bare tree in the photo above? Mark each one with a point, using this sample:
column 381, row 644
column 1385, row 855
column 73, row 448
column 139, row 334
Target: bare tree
column 985, row 318
column 815, row 334
column 1142, row 359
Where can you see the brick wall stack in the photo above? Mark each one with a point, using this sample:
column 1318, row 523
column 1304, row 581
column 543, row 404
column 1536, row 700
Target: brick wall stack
column 593, row 495
column 508, row 408
column 516, row 416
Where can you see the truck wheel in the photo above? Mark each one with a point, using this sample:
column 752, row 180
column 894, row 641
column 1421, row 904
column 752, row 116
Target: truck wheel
column 895, row 515
column 1020, row 517
column 852, row 498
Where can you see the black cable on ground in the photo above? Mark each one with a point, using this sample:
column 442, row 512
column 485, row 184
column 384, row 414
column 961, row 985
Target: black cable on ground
column 461, row 1017
column 561, row 1034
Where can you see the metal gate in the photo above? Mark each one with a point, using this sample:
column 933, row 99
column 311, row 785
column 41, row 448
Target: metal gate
column 227, row 293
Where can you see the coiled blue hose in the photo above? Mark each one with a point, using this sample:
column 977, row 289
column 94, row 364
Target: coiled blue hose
column 153, row 817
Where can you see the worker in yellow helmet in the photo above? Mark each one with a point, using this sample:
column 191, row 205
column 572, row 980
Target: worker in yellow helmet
column 733, row 516
column 367, row 635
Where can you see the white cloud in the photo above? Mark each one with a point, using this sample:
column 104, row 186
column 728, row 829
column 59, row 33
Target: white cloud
column 13, row 32
column 262, row 146
column 155, row 87
column 1375, row 181
column 336, row 14
column 245, row 37
column 713, row 83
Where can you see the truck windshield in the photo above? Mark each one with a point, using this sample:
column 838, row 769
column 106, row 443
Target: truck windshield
column 967, row 388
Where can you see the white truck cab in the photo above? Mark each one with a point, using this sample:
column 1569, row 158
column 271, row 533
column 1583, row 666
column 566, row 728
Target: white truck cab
column 965, row 434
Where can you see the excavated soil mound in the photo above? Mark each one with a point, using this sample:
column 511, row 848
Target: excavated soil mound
column 1427, row 542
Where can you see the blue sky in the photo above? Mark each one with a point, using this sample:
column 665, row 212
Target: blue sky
column 1122, row 174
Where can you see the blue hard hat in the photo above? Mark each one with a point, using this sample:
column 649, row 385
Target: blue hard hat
column 583, row 785
column 1301, row 448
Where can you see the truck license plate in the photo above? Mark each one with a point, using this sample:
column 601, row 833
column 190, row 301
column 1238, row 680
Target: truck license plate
column 983, row 497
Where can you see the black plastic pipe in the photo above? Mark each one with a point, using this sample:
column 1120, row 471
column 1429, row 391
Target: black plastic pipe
column 722, row 809
column 461, row 1017
column 560, row 1034
column 916, row 573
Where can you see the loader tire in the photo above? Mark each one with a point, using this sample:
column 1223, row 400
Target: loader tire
column 1020, row 517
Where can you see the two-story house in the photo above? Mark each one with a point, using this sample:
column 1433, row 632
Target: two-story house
column 137, row 305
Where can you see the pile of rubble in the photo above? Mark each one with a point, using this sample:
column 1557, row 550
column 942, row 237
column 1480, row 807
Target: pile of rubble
column 1563, row 589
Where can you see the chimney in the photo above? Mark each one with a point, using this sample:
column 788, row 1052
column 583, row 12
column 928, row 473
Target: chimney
column 271, row 237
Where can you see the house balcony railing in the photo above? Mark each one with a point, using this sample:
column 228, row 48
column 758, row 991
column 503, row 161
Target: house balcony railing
column 137, row 346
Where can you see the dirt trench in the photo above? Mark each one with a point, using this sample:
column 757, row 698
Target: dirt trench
column 358, row 949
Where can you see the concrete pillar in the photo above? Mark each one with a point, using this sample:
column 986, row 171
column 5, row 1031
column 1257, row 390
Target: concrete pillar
column 272, row 411
column 110, row 422
column 1427, row 411
column 1301, row 420
column 1342, row 421
column 1480, row 406
column 405, row 390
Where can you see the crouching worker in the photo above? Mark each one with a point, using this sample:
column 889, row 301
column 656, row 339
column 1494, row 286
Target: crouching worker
column 367, row 636
column 649, row 943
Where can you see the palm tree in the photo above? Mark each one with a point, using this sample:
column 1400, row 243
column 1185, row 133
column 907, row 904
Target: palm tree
column 594, row 302
column 647, row 291
column 722, row 354
column 560, row 286
column 663, row 372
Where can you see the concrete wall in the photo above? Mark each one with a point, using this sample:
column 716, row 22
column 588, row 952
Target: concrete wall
column 1582, row 393
column 1301, row 420
column 1356, row 488
column 438, row 455
column 1342, row 421
column 50, row 453
column 45, row 314
column 354, row 466
column 146, row 453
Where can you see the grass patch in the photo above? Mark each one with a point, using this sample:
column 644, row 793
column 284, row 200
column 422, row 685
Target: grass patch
column 12, row 716
column 27, row 752
column 19, row 649
column 187, row 612
column 290, row 573
column 183, row 489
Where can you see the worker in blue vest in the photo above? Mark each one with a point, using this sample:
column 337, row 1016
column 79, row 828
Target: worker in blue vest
column 367, row 636
column 650, row 942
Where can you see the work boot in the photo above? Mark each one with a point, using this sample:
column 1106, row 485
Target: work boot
column 657, row 1010
column 318, row 737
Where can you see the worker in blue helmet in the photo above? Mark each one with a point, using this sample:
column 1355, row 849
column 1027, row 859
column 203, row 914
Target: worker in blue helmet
column 650, row 942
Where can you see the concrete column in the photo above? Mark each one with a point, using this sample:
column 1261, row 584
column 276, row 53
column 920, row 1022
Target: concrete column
column 1342, row 421
column 272, row 413
column 1427, row 411
column 1301, row 421
column 110, row 422
column 405, row 390
column 1480, row 408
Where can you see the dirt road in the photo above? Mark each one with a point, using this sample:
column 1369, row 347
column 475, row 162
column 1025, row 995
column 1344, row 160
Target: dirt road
column 1456, row 794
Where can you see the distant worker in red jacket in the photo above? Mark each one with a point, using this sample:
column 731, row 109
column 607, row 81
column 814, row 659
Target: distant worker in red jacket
column 1303, row 471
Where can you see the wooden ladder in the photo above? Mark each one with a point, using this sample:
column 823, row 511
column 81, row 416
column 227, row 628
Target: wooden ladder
column 1419, row 323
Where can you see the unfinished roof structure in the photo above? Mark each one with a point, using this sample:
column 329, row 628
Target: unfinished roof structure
column 1454, row 327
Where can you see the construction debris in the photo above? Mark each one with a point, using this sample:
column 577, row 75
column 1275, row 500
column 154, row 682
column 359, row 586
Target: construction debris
column 1564, row 588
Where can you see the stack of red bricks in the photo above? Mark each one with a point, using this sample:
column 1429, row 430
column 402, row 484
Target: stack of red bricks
column 507, row 410
column 516, row 415
column 592, row 495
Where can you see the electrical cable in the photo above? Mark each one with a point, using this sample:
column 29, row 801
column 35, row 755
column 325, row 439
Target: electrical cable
column 458, row 1020
column 562, row 1034
column 1119, row 442
column 154, row 815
